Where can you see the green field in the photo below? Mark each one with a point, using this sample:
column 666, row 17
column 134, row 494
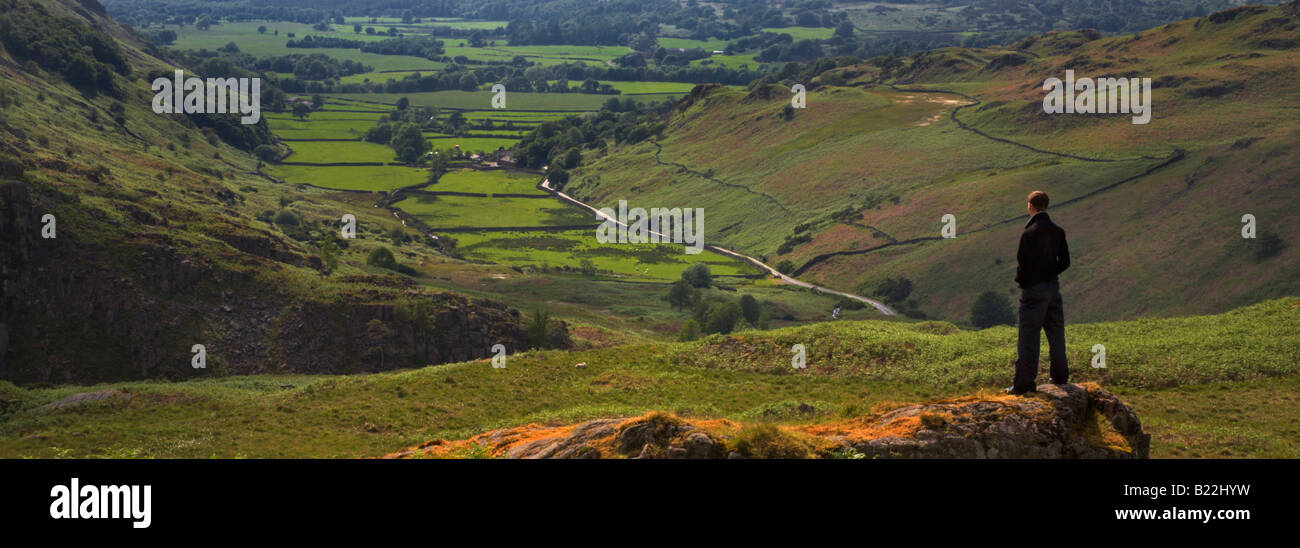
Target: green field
column 244, row 34
column 657, row 262
column 322, row 125
column 463, row 211
column 803, row 33
column 686, row 43
column 382, row 77
column 328, row 152
column 540, row 55
column 729, row 61
column 371, row 178
column 349, row 104
column 488, row 182
column 629, row 87
column 472, row 144
column 482, row 100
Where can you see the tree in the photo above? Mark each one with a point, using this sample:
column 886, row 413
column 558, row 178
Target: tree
column 356, row 29
column 785, row 267
column 539, row 328
column 698, row 275
column 468, row 82
column 749, row 308
column 894, row 289
column 572, row 158
column 378, row 333
column 402, row 103
column 329, row 256
column 682, row 294
column 557, row 176
column 261, row 29
column 990, row 309
column 266, row 153
column 587, row 267
column 689, row 332
column 301, row 111
column 409, row 143
column 722, row 318
column 381, row 133
column 381, row 257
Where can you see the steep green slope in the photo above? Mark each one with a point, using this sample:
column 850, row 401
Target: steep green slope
column 858, row 182
column 164, row 236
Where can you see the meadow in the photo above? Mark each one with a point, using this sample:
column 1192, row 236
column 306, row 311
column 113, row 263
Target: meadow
column 488, row 182
column 803, row 33
column 471, row 144
column 650, row 262
column 482, row 100
column 687, row 43
column 244, row 34
column 1192, row 401
column 465, row 211
column 324, row 152
column 743, row 60
column 322, row 125
column 368, row 178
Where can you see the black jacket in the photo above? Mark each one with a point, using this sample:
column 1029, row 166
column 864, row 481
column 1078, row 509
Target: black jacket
column 1043, row 253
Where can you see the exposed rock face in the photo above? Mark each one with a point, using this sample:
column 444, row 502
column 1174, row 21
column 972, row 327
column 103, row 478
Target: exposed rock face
column 1068, row 421
column 1057, row 422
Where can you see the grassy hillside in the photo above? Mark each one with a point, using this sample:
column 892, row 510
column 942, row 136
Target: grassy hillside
column 858, row 181
column 1195, row 398
column 168, row 236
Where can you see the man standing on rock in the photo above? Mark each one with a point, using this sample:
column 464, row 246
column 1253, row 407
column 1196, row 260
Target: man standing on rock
column 1042, row 256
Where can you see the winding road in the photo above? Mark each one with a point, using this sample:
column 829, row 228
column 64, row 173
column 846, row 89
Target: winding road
column 546, row 186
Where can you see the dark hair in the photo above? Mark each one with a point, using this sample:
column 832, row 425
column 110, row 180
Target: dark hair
column 1039, row 200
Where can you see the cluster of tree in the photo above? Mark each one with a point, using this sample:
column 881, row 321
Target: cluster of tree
column 84, row 56
column 991, row 308
column 139, row 13
column 423, row 46
column 159, row 37
column 310, row 41
column 228, row 127
column 382, row 257
column 622, row 121
column 714, row 313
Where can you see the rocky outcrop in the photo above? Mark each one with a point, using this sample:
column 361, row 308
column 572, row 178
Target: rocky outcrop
column 1067, row 421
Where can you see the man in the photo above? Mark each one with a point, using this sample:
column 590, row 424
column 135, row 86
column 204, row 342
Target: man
column 1043, row 255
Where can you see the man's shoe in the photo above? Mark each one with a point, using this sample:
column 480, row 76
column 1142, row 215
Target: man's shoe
column 1012, row 390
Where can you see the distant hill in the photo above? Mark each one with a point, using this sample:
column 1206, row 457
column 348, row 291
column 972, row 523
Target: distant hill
column 851, row 189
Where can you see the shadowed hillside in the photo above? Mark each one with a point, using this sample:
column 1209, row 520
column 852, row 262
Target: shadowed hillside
column 165, row 235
